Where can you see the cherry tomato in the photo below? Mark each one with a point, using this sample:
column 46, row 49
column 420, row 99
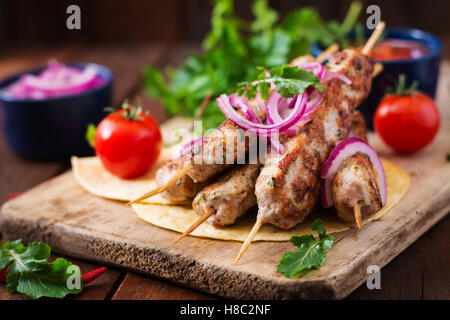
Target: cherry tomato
column 128, row 143
column 407, row 123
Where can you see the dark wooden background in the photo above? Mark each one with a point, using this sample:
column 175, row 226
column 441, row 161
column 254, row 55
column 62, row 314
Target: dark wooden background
column 125, row 36
column 27, row 22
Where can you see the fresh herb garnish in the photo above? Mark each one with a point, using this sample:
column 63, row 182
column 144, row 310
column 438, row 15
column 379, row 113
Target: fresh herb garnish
column 90, row 134
column 29, row 271
column 234, row 48
column 289, row 81
column 310, row 253
column 447, row 157
column 26, row 269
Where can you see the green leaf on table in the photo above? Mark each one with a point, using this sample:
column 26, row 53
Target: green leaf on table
column 310, row 253
column 30, row 273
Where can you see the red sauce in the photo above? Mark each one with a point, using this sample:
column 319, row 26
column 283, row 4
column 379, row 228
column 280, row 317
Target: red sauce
column 395, row 49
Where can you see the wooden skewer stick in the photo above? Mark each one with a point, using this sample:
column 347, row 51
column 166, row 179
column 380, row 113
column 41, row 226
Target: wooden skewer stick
column 194, row 226
column 258, row 224
column 357, row 211
column 175, row 178
column 330, row 50
column 377, row 68
column 327, row 52
column 373, row 38
column 201, row 109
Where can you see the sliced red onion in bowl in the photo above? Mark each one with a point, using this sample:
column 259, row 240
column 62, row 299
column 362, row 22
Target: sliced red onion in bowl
column 56, row 80
column 342, row 151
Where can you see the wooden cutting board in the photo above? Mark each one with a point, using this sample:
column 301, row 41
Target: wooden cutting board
column 76, row 223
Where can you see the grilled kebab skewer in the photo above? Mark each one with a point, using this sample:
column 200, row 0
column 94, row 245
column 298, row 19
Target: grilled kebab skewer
column 288, row 187
column 355, row 190
column 238, row 185
column 180, row 176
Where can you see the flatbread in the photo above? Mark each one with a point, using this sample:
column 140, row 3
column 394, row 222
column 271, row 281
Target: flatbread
column 179, row 218
column 92, row 176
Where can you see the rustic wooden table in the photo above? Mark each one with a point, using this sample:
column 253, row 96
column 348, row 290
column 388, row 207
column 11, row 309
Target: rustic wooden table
column 421, row 272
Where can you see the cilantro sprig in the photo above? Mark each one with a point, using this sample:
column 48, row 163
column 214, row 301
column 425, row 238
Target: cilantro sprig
column 289, row 81
column 29, row 272
column 234, row 48
column 310, row 253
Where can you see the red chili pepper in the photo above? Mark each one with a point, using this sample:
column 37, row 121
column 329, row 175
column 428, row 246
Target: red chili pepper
column 87, row 278
column 94, row 274
column 3, row 274
column 14, row 195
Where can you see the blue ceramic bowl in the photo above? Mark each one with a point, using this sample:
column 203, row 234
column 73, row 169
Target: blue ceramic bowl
column 424, row 69
column 53, row 129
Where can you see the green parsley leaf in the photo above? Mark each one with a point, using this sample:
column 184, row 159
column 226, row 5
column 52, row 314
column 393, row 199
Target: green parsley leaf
column 310, row 253
column 90, row 134
column 265, row 17
column 233, row 49
column 30, row 273
column 289, row 81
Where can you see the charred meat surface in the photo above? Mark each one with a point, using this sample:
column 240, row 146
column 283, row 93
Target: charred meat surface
column 288, row 187
column 225, row 147
column 355, row 182
column 181, row 191
column 359, row 127
column 230, row 197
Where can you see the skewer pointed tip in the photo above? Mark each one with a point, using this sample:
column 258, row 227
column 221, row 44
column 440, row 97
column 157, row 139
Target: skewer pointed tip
column 164, row 187
column 258, row 224
column 374, row 37
column 357, row 211
column 193, row 226
column 328, row 51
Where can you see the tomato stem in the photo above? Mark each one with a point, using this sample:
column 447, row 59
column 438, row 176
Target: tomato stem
column 401, row 89
column 129, row 112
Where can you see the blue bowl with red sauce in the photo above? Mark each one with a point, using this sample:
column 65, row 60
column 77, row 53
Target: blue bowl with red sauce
column 424, row 69
column 53, row 128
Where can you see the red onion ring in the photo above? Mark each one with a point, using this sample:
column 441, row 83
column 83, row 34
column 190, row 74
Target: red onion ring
column 189, row 146
column 342, row 151
column 279, row 121
column 317, row 68
column 262, row 129
column 331, row 74
column 242, row 104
